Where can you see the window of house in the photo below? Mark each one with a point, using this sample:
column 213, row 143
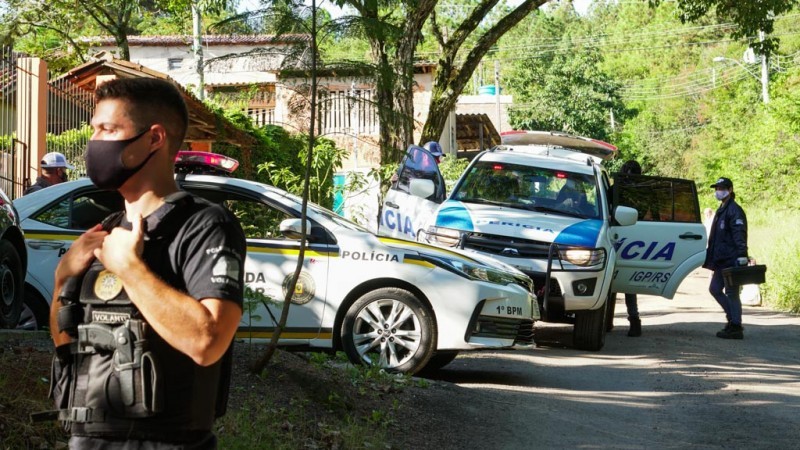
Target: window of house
column 174, row 63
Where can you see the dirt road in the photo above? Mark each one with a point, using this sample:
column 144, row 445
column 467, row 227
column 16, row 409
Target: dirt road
column 677, row 386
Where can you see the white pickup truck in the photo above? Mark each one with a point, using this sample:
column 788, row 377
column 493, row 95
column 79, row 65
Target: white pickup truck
column 543, row 203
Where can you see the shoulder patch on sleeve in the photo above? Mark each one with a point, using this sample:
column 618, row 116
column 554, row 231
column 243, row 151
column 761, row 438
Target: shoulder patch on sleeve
column 738, row 222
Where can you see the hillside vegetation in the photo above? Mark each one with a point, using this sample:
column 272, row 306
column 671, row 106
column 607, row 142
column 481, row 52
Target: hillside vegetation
column 684, row 103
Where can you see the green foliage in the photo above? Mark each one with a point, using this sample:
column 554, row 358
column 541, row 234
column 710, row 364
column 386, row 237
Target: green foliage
column 325, row 159
column 770, row 244
column 564, row 89
column 452, row 168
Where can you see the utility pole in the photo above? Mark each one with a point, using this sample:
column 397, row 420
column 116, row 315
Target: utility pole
column 764, row 72
column 497, row 92
column 197, row 47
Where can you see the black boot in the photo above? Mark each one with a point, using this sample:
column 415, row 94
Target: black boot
column 635, row 329
column 731, row 332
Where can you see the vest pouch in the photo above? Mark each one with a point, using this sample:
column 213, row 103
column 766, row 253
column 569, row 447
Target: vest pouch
column 62, row 377
column 132, row 388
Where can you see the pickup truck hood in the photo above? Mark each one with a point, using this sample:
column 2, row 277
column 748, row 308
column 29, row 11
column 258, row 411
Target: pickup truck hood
column 518, row 223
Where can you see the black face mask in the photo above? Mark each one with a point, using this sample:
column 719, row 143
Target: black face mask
column 104, row 162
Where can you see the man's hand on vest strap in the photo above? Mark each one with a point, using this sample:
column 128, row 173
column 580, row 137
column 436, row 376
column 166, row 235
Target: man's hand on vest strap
column 80, row 254
column 122, row 248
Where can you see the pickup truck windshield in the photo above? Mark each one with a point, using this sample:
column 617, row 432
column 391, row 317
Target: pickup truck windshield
column 530, row 188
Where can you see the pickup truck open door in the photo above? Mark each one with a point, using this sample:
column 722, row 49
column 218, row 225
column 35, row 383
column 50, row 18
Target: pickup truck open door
column 667, row 242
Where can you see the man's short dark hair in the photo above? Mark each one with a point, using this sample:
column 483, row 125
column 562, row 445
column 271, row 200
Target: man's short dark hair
column 631, row 167
column 152, row 100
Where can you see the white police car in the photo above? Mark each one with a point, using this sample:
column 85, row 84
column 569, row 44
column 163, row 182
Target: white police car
column 402, row 305
column 542, row 203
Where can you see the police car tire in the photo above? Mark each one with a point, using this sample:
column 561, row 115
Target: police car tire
column 590, row 332
column 11, row 281
column 439, row 360
column 610, row 311
column 386, row 298
column 35, row 312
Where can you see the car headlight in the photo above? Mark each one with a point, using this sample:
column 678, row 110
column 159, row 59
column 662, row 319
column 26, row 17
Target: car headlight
column 446, row 237
column 584, row 257
column 482, row 273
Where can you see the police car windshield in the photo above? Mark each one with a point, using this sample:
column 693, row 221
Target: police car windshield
column 530, row 188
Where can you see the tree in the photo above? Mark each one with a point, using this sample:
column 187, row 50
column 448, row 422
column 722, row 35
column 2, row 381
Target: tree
column 457, row 62
column 751, row 17
column 564, row 88
column 393, row 30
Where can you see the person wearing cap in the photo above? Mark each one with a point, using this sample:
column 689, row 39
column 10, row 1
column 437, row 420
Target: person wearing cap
column 631, row 167
column 54, row 167
column 435, row 149
column 727, row 247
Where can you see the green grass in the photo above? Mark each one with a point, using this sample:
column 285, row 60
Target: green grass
column 774, row 241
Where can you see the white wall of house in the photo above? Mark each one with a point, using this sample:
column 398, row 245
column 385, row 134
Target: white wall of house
column 178, row 62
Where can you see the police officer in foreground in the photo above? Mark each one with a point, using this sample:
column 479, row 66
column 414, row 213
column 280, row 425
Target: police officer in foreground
column 148, row 302
column 727, row 247
column 54, row 167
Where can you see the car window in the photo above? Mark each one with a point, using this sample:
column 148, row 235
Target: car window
column 658, row 199
column 258, row 219
column 83, row 211
column 528, row 187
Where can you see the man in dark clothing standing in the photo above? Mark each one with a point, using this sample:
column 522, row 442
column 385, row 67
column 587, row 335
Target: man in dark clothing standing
column 632, row 167
column 727, row 247
column 54, row 167
column 161, row 293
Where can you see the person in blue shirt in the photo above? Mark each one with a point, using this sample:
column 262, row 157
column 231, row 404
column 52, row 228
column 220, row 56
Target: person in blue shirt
column 727, row 247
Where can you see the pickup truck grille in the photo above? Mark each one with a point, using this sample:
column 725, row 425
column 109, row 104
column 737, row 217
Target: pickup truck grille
column 505, row 246
column 538, row 284
column 521, row 330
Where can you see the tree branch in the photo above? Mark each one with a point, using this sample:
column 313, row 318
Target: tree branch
column 469, row 25
column 437, row 32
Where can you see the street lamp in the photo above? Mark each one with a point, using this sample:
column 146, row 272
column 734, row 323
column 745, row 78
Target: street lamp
column 763, row 79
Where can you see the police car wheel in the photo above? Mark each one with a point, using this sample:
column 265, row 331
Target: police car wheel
column 11, row 279
column 390, row 328
column 35, row 312
column 590, row 330
column 439, row 360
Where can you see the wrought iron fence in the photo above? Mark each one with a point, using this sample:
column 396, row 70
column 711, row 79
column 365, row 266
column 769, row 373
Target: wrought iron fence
column 9, row 175
column 69, row 114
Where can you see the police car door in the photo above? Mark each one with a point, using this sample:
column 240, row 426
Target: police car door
column 50, row 231
column 270, row 264
column 668, row 241
column 404, row 211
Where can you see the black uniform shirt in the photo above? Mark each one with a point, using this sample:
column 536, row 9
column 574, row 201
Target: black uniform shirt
column 197, row 248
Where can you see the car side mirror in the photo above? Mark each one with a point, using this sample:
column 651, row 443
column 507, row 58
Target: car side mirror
column 293, row 228
column 626, row 216
column 420, row 187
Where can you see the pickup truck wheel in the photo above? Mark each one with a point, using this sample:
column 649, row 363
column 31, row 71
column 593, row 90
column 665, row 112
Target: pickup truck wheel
column 12, row 277
column 390, row 328
column 612, row 306
column 590, row 329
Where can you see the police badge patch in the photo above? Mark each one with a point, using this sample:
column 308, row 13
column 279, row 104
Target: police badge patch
column 107, row 285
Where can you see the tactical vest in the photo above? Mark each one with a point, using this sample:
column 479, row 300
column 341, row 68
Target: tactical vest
column 116, row 382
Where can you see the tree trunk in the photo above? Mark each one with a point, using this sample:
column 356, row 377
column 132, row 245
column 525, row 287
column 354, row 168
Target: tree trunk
column 450, row 79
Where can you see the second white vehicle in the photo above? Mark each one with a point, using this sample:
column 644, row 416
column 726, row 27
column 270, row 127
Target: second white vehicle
column 543, row 203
